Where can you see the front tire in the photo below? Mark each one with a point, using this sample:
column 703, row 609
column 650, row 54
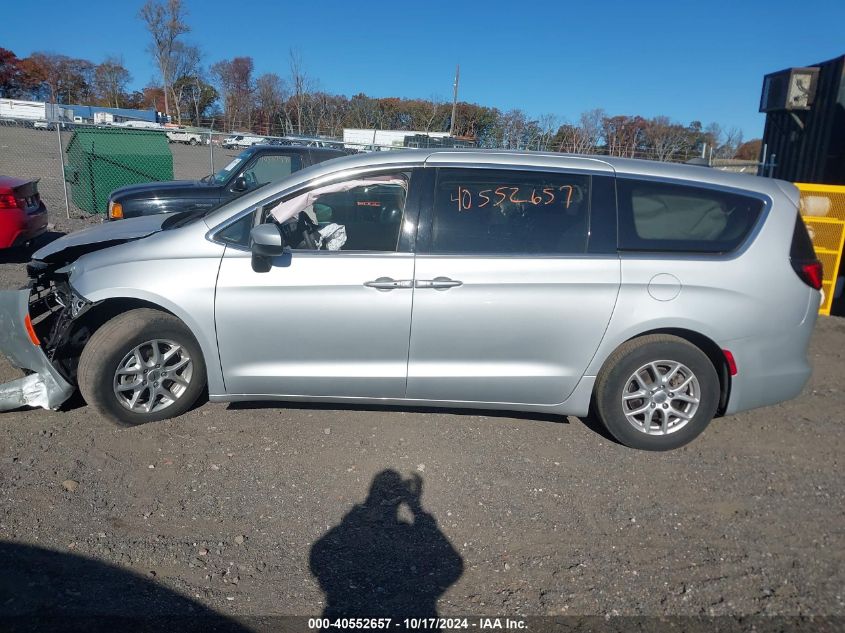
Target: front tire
column 141, row 366
column 657, row 392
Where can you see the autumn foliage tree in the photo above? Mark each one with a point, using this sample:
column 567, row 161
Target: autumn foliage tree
column 236, row 88
column 110, row 80
column 12, row 76
column 59, row 78
column 750, row 150
column 165, row 22
column 270, row 93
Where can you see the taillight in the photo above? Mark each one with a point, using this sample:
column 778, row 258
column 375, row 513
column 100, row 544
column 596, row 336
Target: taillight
column 802, row 255
column 8, row 201
column 811, row 273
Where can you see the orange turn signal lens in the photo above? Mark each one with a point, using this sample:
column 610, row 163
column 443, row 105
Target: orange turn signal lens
column 27, row 322
column 115, row 211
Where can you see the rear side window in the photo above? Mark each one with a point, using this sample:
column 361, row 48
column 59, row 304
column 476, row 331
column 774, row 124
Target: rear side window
column 657, row 216
column 510, row 212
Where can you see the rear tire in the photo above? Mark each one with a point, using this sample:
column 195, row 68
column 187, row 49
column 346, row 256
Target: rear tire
column 141, row 366
column 657, row 392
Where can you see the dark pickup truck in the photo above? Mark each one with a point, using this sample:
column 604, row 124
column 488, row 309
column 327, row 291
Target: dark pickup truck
column 252, row 168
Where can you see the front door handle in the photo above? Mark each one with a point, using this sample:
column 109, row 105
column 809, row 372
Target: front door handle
column 386, row 283
column 438, row 283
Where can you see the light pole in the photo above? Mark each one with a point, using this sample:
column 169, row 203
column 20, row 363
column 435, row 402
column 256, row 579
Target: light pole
column 455, row 100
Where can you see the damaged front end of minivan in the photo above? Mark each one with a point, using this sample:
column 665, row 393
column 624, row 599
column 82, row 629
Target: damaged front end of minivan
column 43, row 326
column 34, row 327
column 39, row 334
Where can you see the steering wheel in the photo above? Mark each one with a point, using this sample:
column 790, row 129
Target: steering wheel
column 249, row 178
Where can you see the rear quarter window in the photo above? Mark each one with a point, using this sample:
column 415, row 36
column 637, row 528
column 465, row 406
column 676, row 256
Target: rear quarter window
column 655, row 216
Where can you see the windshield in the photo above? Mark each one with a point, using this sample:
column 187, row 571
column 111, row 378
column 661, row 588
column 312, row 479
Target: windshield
column 224, row 174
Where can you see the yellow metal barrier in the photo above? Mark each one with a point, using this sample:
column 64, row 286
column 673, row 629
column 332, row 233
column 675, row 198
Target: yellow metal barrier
column 823, row 210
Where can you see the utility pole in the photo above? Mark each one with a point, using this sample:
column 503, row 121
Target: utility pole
column 455, row 100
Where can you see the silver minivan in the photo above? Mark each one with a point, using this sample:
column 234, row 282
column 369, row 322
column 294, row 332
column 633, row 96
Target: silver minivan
column 653, row 296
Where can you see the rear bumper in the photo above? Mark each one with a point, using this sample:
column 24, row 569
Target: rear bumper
column 19, row 227
column 12, row 228
column 45, row 387
column 771, row 369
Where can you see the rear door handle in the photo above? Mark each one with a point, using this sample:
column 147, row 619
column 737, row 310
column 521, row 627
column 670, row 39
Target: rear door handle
column 386, row 283
column 438, row 283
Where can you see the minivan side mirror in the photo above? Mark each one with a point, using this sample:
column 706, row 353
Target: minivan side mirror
column 239, row 184
column 266, row 242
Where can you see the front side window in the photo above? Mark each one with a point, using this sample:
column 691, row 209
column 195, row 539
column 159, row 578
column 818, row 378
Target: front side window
column 359, row 214
column 656, row 216
column 510, row 212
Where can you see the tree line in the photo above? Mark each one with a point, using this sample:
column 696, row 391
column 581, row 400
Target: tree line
column 229, row 96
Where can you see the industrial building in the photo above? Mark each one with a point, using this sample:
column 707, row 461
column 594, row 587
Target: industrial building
column 43, row 111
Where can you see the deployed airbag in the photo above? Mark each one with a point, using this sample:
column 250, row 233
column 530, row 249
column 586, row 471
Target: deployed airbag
column 290, row 208
column 334, row 237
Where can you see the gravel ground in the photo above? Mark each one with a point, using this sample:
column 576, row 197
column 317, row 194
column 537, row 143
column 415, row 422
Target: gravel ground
column 250, row 510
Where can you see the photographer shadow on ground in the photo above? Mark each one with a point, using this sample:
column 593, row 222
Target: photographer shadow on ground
column 377, row 564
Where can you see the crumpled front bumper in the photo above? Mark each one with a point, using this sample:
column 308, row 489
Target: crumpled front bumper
column 45, row 387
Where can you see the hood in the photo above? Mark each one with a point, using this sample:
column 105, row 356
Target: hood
column 143, row 190
column 69, row 247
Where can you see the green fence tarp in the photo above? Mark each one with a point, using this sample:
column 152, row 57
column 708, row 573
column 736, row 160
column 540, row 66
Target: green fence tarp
column 99, row 160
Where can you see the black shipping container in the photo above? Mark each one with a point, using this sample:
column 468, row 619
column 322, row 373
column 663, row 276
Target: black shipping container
column 809, row 145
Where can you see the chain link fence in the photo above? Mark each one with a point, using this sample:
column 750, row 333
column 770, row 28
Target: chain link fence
column 29, row 152
column 78, row 165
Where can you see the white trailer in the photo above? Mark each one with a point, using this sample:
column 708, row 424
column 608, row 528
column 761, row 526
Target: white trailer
column 26, row 110
column 357, row 138
column 37, row 113
column 142, row 124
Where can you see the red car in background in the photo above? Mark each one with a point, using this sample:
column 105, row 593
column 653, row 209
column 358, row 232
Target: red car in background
column 23, row 216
